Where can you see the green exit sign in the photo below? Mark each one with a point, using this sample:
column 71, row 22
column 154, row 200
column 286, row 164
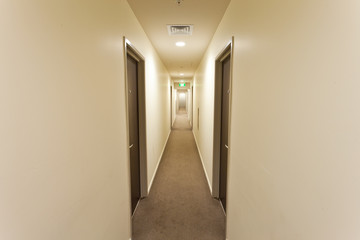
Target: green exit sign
column 182, row 84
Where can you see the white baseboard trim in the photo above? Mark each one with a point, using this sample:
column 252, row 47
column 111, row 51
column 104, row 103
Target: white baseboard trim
column 157, row 165
column 202, row 162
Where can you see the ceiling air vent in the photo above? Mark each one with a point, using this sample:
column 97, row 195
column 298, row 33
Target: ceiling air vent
column 180, row 29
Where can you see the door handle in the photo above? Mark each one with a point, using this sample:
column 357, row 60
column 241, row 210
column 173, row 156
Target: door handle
column 227, row 146
column 131, row 146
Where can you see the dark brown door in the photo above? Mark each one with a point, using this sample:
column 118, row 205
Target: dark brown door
column 224, row 129
column 133, row 107
column 192, row 110
column 171, row 107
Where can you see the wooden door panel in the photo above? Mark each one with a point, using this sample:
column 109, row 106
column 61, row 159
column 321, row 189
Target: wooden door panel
column 224, row 129
column 133, row 108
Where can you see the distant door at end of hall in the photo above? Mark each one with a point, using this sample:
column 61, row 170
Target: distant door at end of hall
column 182, row 100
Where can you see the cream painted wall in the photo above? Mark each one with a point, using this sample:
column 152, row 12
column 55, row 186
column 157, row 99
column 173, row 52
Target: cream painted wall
column 204, row 112
column 63, row 147
column 295, row 133
column 157, row 108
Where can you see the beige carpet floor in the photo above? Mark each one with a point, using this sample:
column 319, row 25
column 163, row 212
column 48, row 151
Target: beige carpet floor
column 179, row 206
column 181, row 121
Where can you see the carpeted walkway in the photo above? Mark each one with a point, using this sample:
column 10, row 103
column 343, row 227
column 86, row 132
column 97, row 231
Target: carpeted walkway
column 181, row 121
column 179, row 206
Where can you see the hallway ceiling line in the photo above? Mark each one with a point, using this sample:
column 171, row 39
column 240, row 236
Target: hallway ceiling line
column 203, row 15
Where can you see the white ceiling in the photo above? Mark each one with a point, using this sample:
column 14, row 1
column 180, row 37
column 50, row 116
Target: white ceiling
column 205, row 15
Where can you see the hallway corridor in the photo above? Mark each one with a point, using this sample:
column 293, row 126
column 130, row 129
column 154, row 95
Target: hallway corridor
column 181, row 121
column 179, row 205
column 180, row 102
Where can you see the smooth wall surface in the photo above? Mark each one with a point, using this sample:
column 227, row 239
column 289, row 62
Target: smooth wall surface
column 203, row 112
column 295, row 133
column 63, row 146
column 157, row 107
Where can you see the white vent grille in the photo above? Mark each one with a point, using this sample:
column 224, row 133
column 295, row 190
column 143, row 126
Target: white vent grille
column 180, row 29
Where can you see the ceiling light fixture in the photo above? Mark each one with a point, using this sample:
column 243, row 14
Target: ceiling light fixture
column 181, row 74
column 179, row 2
column 180, row 44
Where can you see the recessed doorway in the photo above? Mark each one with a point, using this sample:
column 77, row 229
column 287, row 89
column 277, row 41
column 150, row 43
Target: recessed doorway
column 222, row 104
column 136, row 123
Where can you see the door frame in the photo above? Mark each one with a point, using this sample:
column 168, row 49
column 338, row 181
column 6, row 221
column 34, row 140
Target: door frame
column 129, row 49
column 227, row 50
